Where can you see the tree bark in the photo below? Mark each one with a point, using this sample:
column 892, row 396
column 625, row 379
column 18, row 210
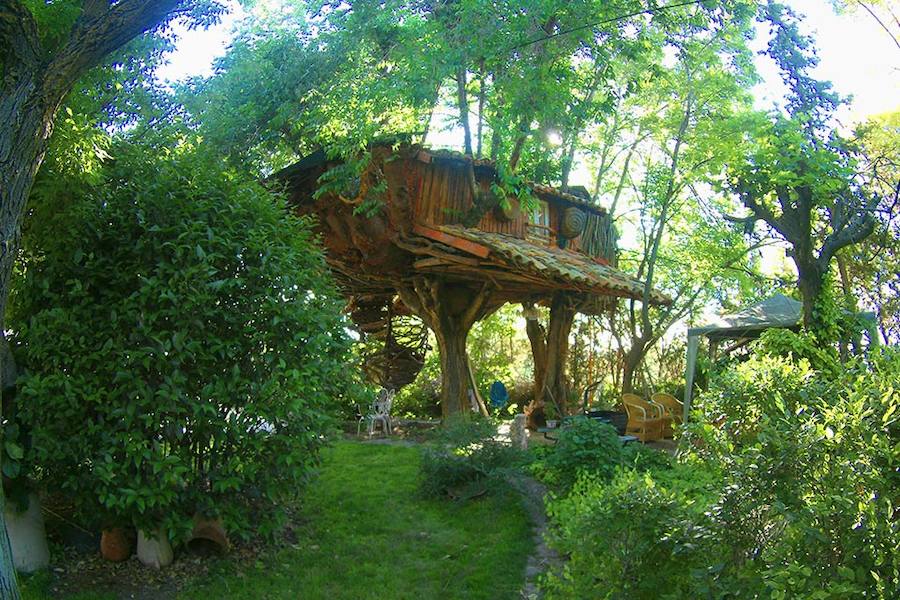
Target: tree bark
column 451, row 341
column 633, row 359
column 450, row 310
column 810, row 282
column 550, row 350
column 534, row 412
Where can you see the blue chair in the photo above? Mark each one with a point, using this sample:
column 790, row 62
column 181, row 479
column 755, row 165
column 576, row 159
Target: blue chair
column 499, row 395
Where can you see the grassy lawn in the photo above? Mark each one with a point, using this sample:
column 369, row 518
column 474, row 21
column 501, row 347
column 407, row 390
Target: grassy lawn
column 370, row 535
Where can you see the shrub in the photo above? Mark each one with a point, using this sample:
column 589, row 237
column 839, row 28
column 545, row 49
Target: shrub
column 183, row 341
column 584, row 446
column 466, row 459
column 790, row 494
column 808, row 506
column 630, row 538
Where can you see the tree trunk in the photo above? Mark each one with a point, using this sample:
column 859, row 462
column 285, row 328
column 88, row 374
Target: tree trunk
column 462, row 101
column 550, row 350
column 534, row 412
column 454, row 372
column 632, row 361
column 25, row 126
column 810, row 281
column 481, row 95
column 450, row 310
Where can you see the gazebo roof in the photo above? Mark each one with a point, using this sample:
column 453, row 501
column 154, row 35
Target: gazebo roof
column 777, row 311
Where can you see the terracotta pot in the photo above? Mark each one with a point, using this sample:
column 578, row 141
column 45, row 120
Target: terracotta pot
column 209, row 531
column 116, row 544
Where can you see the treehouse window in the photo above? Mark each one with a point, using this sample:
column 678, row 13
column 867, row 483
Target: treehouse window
column 539, row 223
column 541, row 214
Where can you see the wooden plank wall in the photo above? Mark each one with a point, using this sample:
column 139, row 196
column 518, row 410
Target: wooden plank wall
column 444, row 198
column 441, row 196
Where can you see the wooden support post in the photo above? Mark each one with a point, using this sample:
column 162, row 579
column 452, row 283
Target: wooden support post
column 550, row 349
column 478, row 399
column 450, row 310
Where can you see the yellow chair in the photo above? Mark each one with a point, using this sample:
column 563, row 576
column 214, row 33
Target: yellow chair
column 644, row 418
column 673, row 411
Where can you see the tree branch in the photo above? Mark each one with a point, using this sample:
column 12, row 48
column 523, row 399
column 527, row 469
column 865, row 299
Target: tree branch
column 99, row 32
column 858, row 229
column 19, row 41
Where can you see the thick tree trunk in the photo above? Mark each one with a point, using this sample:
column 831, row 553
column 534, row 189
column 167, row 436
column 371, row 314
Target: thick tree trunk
column 450, row 310
column 454, row 371
column 550, row 350
column 534, row 412
column 556, row 378
column 810, row 281
column 25, row 125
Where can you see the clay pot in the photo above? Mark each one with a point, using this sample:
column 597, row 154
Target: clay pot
column 116, row 544
column 208, row 534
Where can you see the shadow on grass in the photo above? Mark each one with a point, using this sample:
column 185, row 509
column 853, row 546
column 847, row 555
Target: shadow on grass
column 369, row 534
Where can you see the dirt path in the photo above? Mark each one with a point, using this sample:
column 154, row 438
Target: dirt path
column 542, row 558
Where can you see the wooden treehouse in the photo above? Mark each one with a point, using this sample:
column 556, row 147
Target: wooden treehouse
column 423, row 232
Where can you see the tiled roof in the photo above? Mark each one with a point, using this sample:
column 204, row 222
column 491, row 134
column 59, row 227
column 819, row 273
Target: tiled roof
column 563, row 265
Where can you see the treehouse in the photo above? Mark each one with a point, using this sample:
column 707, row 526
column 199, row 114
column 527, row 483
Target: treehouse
column 433, row 234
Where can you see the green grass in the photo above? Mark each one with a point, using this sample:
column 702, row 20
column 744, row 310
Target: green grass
column 369, row 534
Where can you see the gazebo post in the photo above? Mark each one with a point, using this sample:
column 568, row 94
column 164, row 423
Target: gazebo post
column 692, row 347
column 450, row 310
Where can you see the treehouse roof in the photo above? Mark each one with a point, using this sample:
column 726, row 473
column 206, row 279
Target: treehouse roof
column 534, row 266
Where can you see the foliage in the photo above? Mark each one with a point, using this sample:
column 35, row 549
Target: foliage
column 807, row 511
column 783, row 488
column 182, row 343
column 465, row 459
column 868, row 270
column 792, row 171
column 585, row 446
column 630, row 538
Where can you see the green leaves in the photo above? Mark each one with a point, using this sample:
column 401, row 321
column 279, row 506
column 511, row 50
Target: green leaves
column 161, row 363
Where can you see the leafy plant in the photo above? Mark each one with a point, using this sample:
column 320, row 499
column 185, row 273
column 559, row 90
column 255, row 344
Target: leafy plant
column 466, row 459
column 584, row 446
column 182, row 342
column 629, row 538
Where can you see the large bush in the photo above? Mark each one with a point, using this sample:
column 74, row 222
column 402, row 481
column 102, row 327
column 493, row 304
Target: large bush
column 182, row 342
column 786, row 489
